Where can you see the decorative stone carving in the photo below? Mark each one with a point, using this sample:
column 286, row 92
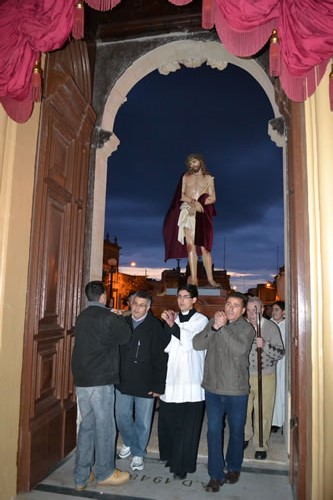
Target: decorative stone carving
column 217, row 64
column 170, row 67
column 193, row 63
column 174, row 66
column 101, row 136
column 277, row 131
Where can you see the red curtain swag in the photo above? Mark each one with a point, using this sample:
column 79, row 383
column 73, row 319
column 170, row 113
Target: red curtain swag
column 300, row 35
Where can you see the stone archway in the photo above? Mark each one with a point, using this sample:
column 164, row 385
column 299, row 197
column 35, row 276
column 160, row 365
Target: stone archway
column 166, row 59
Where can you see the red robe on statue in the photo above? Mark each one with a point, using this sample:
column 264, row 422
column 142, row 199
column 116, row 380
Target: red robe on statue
column 203, row 227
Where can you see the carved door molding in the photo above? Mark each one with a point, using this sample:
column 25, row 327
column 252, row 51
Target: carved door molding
column 298, row 299
column 48, row 407
column 299, row 309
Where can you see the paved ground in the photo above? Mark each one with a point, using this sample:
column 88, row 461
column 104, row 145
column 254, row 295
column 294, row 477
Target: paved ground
column 266, row 480
column 156, row 482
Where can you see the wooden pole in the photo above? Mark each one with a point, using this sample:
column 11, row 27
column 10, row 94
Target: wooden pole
column 259, row 361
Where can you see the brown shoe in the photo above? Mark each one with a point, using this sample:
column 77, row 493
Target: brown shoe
column 232, row 477
column 81, row 487
column 214, row 485
column 116, row 479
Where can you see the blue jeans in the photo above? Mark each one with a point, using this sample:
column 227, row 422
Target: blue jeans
column 97, row 434
column 134, row 432
column 234, row 409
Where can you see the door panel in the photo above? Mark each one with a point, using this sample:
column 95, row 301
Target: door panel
column 298, row 299
column 300, row 310
column 48, row 406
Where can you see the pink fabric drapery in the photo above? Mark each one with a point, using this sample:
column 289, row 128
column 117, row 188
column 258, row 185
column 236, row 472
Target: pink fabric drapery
column 180, row 2
column 305, row 32
column 28, row 28
column 103, row 4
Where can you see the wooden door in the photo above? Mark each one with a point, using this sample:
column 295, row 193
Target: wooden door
column 48, row 407
column 300, row 309
column 298, row 299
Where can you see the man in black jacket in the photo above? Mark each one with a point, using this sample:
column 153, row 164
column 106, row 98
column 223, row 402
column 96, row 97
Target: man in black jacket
column 95, row 367
column 142, row 377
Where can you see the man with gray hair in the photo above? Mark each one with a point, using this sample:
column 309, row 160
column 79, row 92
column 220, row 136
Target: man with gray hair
column 142, row 378
column 271, row 347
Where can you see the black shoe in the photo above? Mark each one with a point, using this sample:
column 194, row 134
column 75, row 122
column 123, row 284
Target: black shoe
column 245, row 445
column 260, row 455
column 275, row 428
column 180, row 475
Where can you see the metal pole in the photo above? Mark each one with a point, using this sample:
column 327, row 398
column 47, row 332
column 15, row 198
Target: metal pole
column 224, row 253
column 259, row 360
column 112, row 269
column 111, row 304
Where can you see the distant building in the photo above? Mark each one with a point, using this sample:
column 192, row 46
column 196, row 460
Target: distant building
column 280, row 283
column 267, row 292
column 120, row 285
column 172, row 278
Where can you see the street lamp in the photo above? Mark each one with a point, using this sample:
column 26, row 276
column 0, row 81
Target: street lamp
column 112, row 269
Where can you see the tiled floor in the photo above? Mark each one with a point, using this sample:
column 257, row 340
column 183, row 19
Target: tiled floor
column 259, row 480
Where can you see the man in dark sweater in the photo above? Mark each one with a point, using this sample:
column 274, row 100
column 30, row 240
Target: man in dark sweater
column 142, row 377
column 95, row 367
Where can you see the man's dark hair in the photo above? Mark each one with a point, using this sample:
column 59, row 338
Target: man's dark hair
column 239, row 295
column 191, row 289
column 280, row 303
column 94, row 289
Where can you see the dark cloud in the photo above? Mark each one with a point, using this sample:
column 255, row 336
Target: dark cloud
column 222, row 114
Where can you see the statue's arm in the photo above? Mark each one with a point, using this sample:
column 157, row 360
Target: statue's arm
column 211, row 198
column 185, row 196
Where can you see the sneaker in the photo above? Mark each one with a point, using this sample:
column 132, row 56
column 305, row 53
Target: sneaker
column 124, row 452
column 116, row 479
column 137, row 463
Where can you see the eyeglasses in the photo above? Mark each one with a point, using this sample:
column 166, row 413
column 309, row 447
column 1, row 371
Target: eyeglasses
column 184, row 296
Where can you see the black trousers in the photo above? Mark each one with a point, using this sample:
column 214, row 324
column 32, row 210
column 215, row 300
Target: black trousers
column 179, row 429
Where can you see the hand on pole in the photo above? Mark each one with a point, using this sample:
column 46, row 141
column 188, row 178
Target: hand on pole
column 260, row 342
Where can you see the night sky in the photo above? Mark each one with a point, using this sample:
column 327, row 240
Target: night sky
column 223, row 115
